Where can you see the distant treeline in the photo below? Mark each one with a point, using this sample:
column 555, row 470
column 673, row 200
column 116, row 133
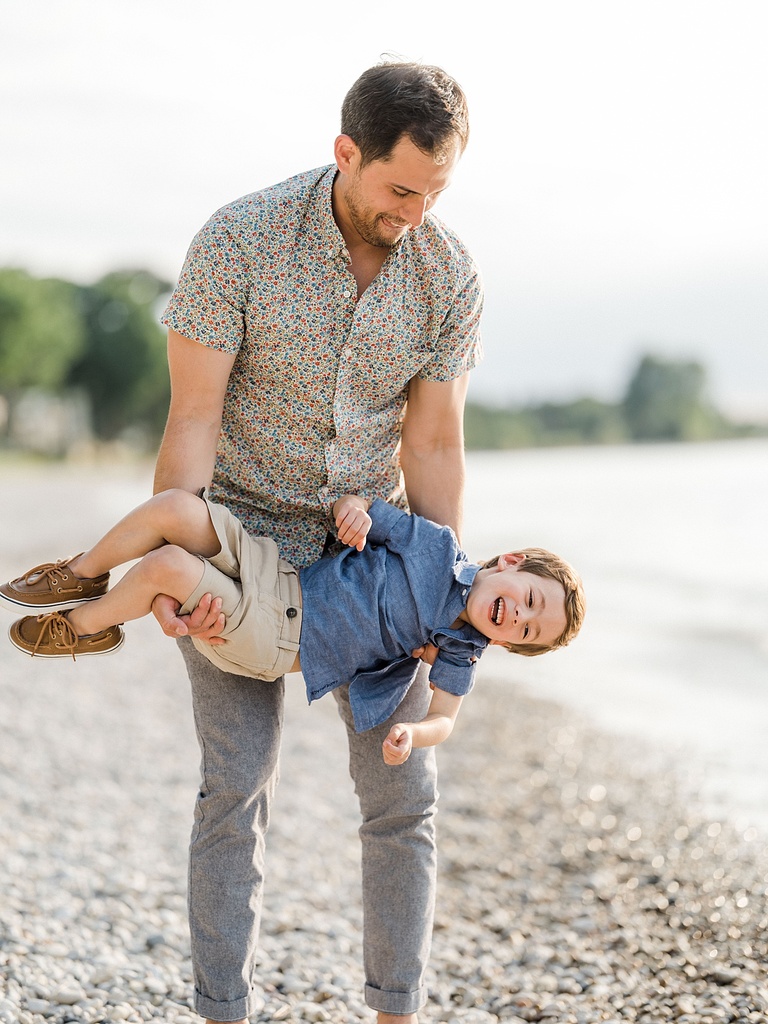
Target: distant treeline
column 86, row 364
column 80, row 363
column 665, row 400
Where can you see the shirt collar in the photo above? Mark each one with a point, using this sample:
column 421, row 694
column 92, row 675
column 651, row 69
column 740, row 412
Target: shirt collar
column 329, row 237
column 465, row 571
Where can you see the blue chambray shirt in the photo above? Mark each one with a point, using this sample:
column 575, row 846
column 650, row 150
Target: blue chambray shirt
column 365, row 611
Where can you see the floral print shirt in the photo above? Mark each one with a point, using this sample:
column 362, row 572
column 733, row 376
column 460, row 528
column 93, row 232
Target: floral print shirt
column 317, row 392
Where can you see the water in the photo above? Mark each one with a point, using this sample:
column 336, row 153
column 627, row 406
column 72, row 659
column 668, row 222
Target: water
column 672, row 544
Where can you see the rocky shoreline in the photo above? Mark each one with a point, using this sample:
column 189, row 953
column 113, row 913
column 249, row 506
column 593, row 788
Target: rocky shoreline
column 577, row 883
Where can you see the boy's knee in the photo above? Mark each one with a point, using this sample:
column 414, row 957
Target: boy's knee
column 172, row 504
column 162, row 562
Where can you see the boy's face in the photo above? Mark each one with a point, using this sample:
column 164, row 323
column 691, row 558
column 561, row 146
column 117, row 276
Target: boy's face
column 509, row 605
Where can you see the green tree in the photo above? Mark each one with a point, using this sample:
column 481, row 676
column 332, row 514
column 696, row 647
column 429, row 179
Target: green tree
column 582, row 421
column 123, row 365
column 41, row 331
column 666, row 401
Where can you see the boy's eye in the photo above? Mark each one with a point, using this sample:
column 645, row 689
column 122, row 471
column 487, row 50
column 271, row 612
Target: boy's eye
column 525, row 633
column 530, row 599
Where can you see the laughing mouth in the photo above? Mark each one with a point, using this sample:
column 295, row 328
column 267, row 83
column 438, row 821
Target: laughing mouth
column 497, row 612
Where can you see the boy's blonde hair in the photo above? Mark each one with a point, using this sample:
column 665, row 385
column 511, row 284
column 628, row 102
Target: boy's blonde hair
column 540, row 562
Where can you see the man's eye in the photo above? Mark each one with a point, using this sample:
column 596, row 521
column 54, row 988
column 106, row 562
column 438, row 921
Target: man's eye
column 400, row 195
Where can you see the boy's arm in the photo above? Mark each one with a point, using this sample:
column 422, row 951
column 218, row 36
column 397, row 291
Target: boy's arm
column 431, row 730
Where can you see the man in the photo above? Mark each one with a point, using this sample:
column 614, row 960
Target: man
column 320, row 339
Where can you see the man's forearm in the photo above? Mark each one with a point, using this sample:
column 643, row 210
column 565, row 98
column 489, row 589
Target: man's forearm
column 434, row 483
column 186, row 455
column 432, row 449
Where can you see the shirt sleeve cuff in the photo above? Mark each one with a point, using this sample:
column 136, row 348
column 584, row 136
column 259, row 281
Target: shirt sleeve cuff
column 453, row 678
column 384, row 517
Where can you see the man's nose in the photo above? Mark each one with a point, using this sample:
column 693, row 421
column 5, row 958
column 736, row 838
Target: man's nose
column 415, row 209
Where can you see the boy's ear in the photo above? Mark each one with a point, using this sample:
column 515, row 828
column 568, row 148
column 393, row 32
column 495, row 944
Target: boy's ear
column 511, row 559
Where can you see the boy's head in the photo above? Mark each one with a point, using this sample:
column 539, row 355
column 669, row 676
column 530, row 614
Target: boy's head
column 529, row 601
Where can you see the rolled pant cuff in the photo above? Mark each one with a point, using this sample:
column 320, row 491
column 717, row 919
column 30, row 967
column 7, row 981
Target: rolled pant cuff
column 234, row 1009
column 395, row 1002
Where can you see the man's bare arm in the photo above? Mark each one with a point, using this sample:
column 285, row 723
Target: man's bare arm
column 432, row 449
column 199, row 377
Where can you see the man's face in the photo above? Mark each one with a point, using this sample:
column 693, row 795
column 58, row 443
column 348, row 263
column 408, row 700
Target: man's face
column 386, row 198
column 509, row 605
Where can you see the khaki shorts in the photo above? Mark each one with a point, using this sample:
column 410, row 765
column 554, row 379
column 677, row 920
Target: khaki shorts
column 261, row 599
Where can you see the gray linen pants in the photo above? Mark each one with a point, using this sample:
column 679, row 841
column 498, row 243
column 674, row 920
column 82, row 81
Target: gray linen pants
column 238, row 724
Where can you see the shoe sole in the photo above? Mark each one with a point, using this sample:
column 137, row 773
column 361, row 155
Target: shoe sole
column 65, row 654
column 42, row 609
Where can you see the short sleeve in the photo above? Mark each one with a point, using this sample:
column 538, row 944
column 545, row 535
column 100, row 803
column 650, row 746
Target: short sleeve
column 459, row 346
column 208, row 303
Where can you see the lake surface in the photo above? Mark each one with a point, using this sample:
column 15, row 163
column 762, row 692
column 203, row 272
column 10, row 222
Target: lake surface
column 672, row 544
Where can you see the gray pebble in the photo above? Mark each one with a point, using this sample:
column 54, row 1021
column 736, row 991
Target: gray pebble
column 580, row 883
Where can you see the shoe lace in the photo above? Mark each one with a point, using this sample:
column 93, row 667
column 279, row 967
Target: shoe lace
column 50, row 570
column 60, row 630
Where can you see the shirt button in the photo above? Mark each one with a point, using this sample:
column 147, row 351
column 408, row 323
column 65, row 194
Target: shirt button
column 291, row 613
column 348, row 352
column 347, row 293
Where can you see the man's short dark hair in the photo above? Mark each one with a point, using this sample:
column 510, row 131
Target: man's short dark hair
column 396, row 99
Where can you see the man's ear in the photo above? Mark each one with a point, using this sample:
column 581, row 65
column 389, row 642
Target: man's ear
column 347, row 154
column 510, row 559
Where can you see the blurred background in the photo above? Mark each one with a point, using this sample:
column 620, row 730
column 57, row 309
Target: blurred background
column 613, row 193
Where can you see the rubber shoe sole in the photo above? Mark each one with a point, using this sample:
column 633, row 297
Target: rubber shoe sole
column 49, row 587
column 13, row 605
column 24, row 635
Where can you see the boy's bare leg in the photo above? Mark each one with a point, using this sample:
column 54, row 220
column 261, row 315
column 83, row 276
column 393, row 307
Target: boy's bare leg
column 166, row 570
column 171, row 517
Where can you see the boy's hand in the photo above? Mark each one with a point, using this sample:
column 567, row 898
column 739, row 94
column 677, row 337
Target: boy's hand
column 352, row 520
column 397, row 747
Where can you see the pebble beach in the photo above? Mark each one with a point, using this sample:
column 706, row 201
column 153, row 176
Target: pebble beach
column 580, row 879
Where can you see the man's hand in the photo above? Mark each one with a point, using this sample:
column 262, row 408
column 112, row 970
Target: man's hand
column 352, row 520
column 205, row 622
column 428, row 653
column 397, row 747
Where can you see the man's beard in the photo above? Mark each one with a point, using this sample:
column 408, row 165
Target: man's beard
column 366, row 223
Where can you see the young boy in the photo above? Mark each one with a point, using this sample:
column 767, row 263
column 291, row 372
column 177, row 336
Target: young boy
column 401, row 584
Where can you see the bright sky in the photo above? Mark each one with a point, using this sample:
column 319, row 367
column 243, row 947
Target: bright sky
column 613, row 191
